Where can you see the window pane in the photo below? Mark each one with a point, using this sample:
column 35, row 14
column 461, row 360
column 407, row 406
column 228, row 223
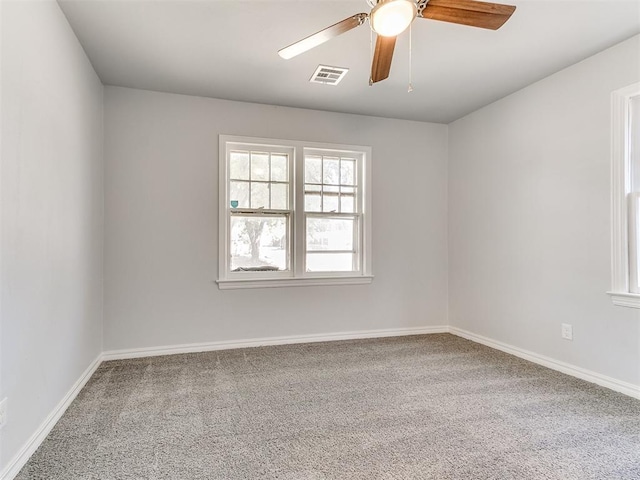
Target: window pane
column 330, row 189
column 259, row 195
column 312, row 188
column 279, row 168
column 279, row 194
column 259, row 166
column 312, row 203
column 634, row 139
column 330, row 262
column 331, row 170
column 347, row 171
column 239, row 192
column 258, row 243
column 239, row 166
column 330, row 203
column 634, row 237
column 312, row 169
column 346, row 204
column 330, row 233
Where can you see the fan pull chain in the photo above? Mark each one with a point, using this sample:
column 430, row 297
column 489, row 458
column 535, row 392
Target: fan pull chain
column 410, row 89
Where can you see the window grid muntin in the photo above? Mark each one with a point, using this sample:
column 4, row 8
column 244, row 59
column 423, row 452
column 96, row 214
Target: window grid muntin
column 269, row 182
column 332, row 155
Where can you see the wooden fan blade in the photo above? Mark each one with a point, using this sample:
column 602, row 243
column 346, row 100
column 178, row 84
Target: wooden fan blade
column 469, row 12
column 382, row 57
column 322, row 36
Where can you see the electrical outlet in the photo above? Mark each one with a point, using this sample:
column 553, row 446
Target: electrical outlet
column 3, row 412
column 567, row 331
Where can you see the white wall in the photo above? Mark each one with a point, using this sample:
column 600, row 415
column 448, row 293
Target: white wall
column 52, row 220
column 529, row 225
column 161, row 191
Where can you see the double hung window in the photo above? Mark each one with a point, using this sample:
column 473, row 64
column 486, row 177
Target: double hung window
column 293, row 213
column 626, row 196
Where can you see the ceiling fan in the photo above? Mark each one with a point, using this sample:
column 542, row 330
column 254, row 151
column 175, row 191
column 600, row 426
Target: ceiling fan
column 389, row 18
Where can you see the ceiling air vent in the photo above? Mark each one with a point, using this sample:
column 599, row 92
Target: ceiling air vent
column 328, row 75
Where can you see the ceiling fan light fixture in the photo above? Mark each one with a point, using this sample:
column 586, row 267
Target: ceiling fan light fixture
column 392, row 17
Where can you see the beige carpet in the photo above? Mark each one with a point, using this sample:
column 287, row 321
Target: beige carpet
column 422, row 407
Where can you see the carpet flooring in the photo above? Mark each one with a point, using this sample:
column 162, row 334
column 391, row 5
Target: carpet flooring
column 421, row 407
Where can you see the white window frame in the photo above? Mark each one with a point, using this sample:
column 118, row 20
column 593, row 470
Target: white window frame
column 624, row 203
column 297, row 274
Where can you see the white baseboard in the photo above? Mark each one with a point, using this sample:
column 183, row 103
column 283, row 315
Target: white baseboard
column 260, row 342
column 29, row 448
column 578, row 372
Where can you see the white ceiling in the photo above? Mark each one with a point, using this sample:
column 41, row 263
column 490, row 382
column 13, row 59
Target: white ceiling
column 227, row 49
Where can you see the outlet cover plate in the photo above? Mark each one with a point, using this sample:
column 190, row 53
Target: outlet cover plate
column 567, row 331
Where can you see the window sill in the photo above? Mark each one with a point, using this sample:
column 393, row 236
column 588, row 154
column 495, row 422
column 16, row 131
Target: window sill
column 293, row 282
column 625, row 299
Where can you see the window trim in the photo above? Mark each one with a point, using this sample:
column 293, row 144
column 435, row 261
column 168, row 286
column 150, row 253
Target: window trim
column 620, row 188
column 296, row 276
